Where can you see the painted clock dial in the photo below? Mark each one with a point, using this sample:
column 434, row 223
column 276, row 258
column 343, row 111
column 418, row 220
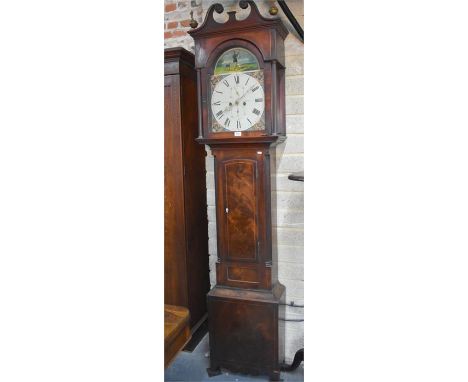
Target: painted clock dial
column 237, row 93
column 238, row 102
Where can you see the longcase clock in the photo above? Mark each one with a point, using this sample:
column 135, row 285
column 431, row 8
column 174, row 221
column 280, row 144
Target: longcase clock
column 240, row 78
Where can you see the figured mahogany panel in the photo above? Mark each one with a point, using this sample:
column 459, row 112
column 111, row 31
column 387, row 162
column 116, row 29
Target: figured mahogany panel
column 243, row 215
column 240, row 209
column 242, row 274
column 246, row 333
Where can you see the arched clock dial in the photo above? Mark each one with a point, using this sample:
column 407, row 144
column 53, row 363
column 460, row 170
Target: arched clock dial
column 238, row 102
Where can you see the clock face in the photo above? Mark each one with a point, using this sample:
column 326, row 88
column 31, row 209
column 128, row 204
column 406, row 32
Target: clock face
column 238, row 102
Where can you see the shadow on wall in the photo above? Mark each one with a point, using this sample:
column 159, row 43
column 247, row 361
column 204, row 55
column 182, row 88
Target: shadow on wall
column 279, row 152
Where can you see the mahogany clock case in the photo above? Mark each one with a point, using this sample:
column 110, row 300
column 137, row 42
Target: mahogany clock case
column 246, row 305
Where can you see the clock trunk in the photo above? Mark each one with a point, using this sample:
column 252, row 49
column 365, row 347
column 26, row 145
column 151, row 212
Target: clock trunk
column 244, row 219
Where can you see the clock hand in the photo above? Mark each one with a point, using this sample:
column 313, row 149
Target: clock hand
column 245, row 93
column 228, row 107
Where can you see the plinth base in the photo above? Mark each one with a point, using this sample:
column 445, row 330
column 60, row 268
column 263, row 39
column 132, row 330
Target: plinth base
column 246, row 334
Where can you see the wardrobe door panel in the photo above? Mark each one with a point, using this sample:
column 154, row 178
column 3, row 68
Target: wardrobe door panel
column 175, row 291
column 186, row 264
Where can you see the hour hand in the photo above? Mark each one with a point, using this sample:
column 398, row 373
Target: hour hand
column 228, row 107
column 245, row 93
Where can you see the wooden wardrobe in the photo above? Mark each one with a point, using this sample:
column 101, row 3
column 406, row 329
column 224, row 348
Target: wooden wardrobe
column 186, row 265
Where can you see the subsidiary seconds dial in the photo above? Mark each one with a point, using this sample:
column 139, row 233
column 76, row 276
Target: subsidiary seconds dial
column 238, row 102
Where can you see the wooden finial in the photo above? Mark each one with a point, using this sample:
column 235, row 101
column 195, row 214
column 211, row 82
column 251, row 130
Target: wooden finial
column 193, row 22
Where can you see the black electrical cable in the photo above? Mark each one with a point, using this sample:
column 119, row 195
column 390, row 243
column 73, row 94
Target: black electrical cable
column 298, row 358
column 291, row 19
column 293, row 305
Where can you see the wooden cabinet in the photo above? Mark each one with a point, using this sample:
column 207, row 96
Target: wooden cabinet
column 186, row 269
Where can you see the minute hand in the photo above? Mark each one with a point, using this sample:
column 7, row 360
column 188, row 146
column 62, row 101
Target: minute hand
column 245, row 93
